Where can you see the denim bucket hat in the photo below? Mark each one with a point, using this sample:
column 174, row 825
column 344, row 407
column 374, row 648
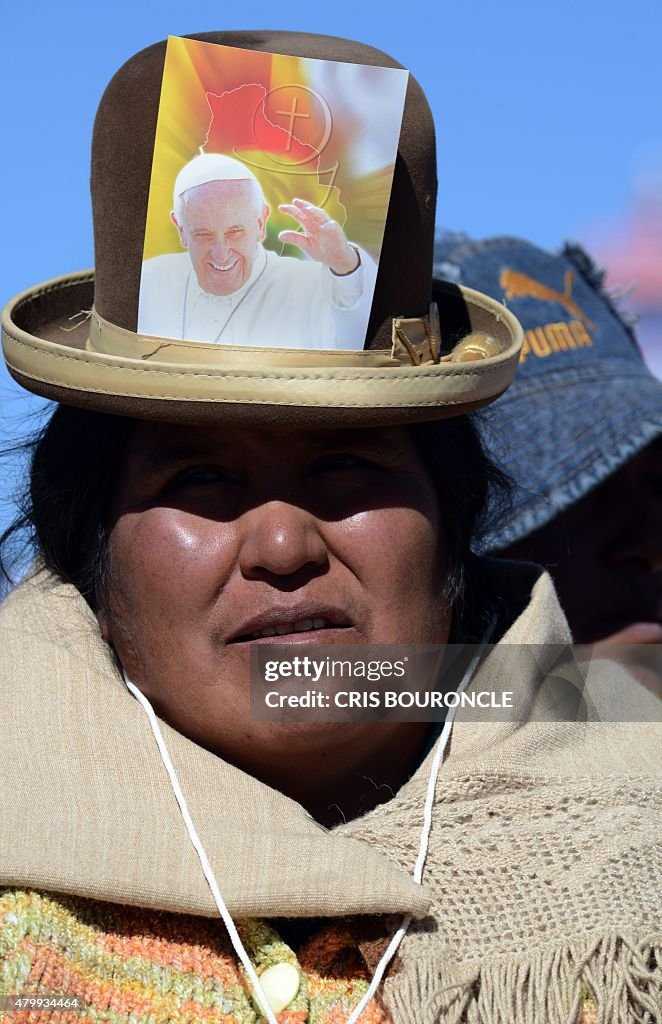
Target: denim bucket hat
column 583, row 401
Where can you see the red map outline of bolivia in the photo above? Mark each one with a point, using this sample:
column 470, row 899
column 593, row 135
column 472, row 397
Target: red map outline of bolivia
column 286, row 167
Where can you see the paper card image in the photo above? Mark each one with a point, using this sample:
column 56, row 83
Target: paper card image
column 270, row 186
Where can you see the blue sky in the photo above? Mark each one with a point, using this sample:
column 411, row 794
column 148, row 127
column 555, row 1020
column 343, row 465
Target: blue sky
column 542, row 112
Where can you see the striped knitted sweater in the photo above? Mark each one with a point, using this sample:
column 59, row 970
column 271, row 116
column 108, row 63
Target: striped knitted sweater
column 128, row 965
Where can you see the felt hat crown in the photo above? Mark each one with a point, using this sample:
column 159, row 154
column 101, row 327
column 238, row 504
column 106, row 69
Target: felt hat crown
column 409, row 370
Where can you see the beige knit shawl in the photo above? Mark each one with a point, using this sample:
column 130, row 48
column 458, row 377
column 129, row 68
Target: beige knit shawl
column 543, row 877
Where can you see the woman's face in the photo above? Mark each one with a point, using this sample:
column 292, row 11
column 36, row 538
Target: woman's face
column 221, row 536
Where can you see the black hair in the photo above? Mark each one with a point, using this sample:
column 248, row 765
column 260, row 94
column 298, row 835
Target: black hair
column 74, row 461
column 470, row 488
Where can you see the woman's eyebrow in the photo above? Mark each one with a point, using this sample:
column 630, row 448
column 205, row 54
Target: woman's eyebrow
column 358, row 440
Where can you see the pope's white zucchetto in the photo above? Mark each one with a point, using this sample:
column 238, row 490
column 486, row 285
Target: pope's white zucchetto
column 211, row 167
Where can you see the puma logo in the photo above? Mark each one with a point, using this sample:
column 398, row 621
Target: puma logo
column 517, row 286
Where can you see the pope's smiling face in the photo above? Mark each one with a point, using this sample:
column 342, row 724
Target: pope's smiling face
column 222, row 223
column 221, row 536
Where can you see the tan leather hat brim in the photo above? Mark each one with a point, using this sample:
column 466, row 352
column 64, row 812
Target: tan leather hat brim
column 56, row 346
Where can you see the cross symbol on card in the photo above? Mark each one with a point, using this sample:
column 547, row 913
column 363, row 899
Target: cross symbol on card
column 292, row 114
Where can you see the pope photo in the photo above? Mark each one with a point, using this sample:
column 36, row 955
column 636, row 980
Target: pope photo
column 270, row 185
column 227, row 287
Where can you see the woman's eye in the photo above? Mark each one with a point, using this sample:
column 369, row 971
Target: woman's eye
column 200, row 478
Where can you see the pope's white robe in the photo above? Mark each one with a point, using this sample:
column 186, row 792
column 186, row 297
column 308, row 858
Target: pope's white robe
column 292, row 304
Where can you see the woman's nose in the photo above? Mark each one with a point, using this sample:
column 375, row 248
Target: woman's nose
column 280, row 539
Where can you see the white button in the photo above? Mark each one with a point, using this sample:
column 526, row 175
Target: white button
column 280, row 984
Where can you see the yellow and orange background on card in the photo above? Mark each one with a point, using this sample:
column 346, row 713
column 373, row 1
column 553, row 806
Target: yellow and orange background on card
column 322, row 131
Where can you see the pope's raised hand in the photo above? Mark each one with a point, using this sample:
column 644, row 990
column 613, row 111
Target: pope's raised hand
column 322, row 239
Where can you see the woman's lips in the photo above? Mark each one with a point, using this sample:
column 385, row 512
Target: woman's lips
column 303, row 621
column 332, row 634
column 300, row 626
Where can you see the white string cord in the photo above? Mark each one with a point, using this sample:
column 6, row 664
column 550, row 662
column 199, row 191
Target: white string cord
column 399, row 935
column 427, row 827
column 237, row 944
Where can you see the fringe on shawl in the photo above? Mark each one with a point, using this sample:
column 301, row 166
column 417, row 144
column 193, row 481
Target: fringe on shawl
column 611, row 981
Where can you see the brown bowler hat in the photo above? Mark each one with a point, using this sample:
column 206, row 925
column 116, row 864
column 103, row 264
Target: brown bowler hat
column 411, row 369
